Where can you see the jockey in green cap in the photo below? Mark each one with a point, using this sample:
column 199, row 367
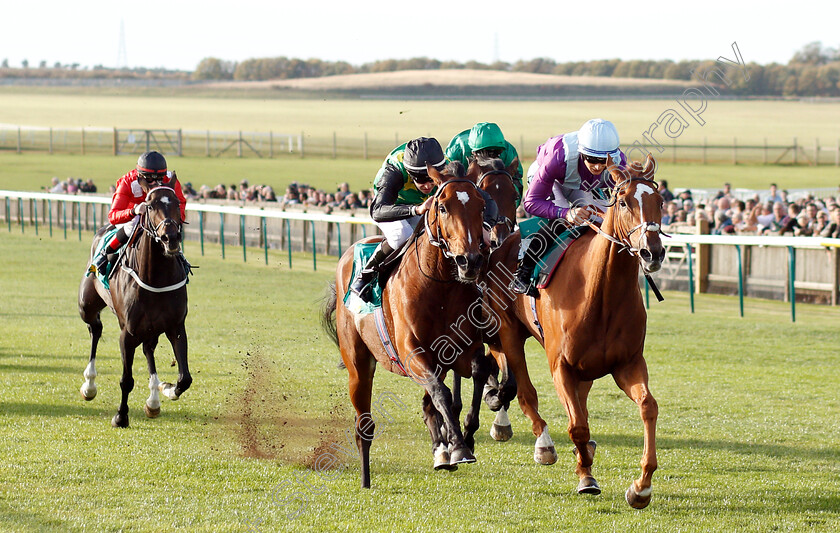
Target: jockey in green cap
column 485, row 141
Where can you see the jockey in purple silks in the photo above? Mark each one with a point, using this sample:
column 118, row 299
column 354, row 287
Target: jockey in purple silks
column 562, row 187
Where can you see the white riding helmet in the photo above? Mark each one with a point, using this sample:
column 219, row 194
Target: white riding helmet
column 598, row 138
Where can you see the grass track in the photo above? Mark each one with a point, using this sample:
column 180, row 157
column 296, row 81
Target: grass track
column 748, row 437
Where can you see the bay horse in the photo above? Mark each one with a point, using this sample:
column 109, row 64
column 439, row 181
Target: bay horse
column 591, row 320
column 425, row 304
column 148, row 295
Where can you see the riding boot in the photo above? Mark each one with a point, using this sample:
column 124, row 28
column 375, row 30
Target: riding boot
column 361, row 283
column 104, row 262
column 521, row 283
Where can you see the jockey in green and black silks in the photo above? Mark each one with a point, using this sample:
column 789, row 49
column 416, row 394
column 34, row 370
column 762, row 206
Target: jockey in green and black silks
column 485, row 140
column 403, row 192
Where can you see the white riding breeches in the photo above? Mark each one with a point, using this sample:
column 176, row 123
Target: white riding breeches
column 397, row 232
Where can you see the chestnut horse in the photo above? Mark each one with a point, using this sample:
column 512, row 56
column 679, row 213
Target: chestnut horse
column 149, row 296
column 592, row 321
column 424, row 302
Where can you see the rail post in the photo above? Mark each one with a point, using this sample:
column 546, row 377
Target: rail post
column 792, row 278
column 264, row 238
column 690, row 278
column 740, row 280
column 201, row 230
column 242, row 237
column 222, row 232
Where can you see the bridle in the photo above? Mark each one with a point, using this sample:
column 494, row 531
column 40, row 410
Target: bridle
column 436, row 239
column 152, row 232
column 511, row 224
column 624, row 242
column 146, row 221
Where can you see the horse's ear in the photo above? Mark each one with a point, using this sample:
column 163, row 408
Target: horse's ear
column 513, row 167
column 473, row 171
column 436, row 176
column 650, row 166
column 619, row 173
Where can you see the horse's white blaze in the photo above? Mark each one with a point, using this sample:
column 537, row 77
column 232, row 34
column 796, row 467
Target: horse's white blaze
column 165, row 200
column 544, row 440
column 469, row 238
column 502, row 418
column 642, row 190
column 463, row 197
column 153, row 401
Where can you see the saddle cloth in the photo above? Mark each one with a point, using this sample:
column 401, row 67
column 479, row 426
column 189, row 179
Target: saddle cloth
column 551, row 257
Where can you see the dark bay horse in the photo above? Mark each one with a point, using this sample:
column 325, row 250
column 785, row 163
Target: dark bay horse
column 427, row 303
column 149, row 296
column 593, row 321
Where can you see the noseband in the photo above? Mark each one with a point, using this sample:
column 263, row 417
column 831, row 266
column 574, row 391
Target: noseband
column 437, row 239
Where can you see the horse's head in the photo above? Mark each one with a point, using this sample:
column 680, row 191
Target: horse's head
column 636, row 213
column 163, row 218
column 454, row 221
column 497, row 181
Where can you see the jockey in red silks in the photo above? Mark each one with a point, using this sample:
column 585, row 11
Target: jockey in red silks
column 129, row 202
column 562, row 181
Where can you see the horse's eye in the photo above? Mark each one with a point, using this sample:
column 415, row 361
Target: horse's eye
column 442, row 209
column 622, row 203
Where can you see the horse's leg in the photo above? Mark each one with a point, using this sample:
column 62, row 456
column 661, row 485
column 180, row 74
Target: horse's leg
column 90, row 306
column 481, row 368
column 514, row 345
column 500, row 430
column 442, row 400
column 178, row 339
column 88, row 389
column 152, row 405
column 457, row 404
column 361, row 366
column 633, row 380
column 128, row 344
column 568, row 387
column 440, row 447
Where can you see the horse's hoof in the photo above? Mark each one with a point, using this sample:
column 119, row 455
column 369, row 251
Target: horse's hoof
column 88, row 393
column 588, row 485
column 545, row 455
column 119, row 421
column 168, row 390
column 501, row 433
column 442, row 459
column 151, row 412
column 493, row 401
column 591, row 443
column 461, row 455
column 638, row 500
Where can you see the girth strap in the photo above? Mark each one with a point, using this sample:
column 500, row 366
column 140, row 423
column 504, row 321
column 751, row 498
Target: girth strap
column 382, row 330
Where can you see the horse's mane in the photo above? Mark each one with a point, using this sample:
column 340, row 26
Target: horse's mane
column 455, row 169
column 490, row 163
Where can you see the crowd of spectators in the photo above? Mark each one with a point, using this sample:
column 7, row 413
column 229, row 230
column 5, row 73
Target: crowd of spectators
column 771, row 213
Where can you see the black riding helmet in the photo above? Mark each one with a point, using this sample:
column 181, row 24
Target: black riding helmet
column 420, row 151
column 152, row 164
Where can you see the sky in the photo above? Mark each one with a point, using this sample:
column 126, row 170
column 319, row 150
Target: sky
column 178, row 34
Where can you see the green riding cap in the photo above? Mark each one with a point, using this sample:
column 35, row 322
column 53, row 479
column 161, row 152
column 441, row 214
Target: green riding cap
column 486, row 135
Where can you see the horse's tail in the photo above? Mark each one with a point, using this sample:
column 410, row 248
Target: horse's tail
column 328, row 313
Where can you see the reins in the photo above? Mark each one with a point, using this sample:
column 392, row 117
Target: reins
column 152, row 232
column 501, row 172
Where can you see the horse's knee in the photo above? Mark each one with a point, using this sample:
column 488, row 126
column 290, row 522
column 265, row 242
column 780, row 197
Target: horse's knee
column 127, row 383
column 579, row 435
column 648, row 408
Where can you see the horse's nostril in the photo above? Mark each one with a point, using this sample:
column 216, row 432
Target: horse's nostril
column 645, row 254
column 461, row 261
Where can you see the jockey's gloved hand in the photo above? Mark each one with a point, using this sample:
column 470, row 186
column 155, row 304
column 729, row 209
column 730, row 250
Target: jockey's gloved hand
column 578, row 215
column 139, row 209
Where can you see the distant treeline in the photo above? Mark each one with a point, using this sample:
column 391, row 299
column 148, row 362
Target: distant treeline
column 813, row 71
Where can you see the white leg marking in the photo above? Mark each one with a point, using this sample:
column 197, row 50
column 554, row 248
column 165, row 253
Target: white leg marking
column 644, row 493
column 88, row 389
column 168, row 390
column 544, row 440
column 502, row 418
column 153, row 401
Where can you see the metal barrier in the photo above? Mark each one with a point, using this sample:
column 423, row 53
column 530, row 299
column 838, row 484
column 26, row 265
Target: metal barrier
column 259, row 227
